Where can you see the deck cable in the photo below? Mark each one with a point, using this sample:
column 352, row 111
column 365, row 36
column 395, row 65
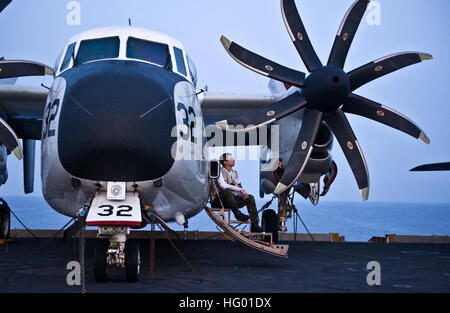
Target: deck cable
column 298, row 216
column 82, row 248
column 181, row 254
column 294, row 208
column 7, row 277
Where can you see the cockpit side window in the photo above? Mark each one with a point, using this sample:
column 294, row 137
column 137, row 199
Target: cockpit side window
column 192, row 70
column 66, row 62
column 180, row 61
column 149, row 51
column 58, row 60
column 98, row 49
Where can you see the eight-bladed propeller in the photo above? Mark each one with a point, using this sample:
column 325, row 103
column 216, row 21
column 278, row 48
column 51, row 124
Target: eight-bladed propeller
column 325, row 94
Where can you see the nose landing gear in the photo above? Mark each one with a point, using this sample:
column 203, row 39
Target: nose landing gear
column 114, row 217
column 114, row 249
column 132, row 261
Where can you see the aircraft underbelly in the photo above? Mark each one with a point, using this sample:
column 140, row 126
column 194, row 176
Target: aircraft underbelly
column 184, row 190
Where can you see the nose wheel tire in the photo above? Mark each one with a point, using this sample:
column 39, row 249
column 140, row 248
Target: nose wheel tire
column 5, row 221
column 269, row 223
column 100, row 264
column 132, row 261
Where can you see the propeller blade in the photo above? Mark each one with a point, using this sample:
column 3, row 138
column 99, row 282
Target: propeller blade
column 347, row 32
column 9, row 139
column 262, row 65
column 380, row 113
column 297, row 32
column 266, row 115
column 302, row 150
column 445, row 166
column 4, row 4
column 344, row 134
column 384, row 66
column 11, row 68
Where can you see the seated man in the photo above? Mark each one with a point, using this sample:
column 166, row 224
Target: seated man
column 233, row 196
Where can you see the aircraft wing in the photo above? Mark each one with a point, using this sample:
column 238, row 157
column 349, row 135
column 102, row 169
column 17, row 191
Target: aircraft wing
column 220, row 106
column 23, row 108
column 21, row 114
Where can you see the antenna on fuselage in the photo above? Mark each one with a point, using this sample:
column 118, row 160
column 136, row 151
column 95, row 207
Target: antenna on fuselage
column 129, row 22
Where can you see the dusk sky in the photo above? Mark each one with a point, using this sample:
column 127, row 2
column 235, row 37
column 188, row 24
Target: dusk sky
column 38, row 30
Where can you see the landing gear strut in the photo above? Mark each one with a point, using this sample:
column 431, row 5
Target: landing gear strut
column 5, row 220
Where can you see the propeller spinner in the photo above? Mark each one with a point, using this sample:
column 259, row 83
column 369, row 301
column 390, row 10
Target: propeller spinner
column 325, row 94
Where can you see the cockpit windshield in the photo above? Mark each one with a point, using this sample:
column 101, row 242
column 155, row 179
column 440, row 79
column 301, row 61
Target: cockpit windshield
column 149, row 51
column 98, row 49
column 128, row 44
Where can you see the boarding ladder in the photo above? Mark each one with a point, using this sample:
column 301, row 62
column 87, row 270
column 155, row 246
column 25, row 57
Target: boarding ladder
column 258, row 241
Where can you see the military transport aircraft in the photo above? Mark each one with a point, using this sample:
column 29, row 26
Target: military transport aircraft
column 123, row 112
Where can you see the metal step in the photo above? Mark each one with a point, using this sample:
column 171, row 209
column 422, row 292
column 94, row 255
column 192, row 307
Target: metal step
column 246, row 237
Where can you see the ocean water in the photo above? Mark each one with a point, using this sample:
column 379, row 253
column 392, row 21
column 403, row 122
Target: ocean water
column 357, row 221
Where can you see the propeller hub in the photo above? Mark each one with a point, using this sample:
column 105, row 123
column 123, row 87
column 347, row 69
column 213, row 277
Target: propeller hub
column 326, row 88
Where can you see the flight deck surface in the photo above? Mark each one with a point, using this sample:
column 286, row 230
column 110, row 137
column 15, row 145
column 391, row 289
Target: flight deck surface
column 227, row 267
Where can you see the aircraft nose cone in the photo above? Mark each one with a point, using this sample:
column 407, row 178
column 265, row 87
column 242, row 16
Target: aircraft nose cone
column 116, row 121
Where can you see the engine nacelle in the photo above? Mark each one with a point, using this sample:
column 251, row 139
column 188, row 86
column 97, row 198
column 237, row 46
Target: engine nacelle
column 320, row 161
column 318, row 164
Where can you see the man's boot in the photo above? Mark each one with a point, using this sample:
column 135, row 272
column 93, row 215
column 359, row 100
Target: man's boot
column 241, row 217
